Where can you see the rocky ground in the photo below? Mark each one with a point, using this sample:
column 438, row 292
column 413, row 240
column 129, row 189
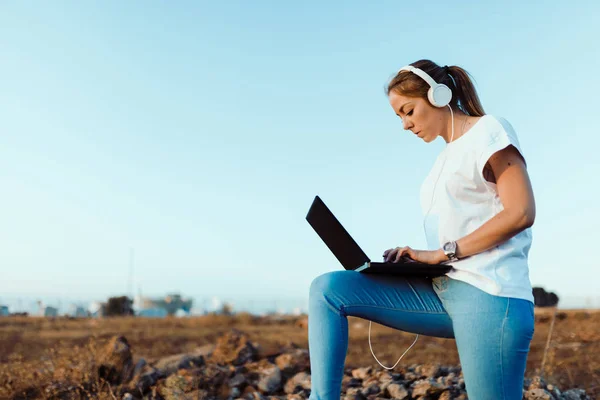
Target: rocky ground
column 236, row 368
column 256, row 357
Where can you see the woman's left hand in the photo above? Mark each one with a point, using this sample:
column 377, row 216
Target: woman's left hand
column 424, row 256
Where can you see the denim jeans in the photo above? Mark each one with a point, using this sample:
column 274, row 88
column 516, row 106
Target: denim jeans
column 492, row 333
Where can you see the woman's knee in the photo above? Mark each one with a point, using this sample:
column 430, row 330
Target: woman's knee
column 327, row 282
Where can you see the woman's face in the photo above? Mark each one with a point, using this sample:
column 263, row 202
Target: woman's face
column 418, row 116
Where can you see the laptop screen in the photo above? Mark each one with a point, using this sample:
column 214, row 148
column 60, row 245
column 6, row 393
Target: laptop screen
column 335, row 236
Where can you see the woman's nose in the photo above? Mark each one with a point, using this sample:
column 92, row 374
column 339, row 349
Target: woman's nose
column 407, row 124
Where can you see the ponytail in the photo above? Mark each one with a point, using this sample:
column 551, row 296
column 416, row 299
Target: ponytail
column 464, row 94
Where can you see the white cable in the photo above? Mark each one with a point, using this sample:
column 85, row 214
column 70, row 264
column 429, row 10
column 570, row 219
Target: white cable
column 433, row 192
column 440, row 174
column 400, row 356
column 452, row 116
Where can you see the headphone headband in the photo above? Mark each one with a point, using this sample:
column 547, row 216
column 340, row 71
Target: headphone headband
column 424, row 75
column 438, row 94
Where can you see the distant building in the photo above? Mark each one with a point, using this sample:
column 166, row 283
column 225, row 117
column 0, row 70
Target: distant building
column 181, row 313
column 172, row 304
column 77, row 311
column 46, row 311
column 198, row 311
column 97, row 309
column 155, row 312
column 50, row 311
column 4, row 311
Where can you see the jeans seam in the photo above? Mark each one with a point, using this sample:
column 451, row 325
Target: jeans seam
column 502, row 349
column 332, row 306
column 395, row 309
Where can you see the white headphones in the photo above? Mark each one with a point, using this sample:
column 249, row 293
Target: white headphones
column 439, row 95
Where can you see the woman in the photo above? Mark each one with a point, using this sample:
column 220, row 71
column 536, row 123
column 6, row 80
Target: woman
column 478, row 209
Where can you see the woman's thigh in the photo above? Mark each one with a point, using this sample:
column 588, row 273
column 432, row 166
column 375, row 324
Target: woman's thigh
column 407, row 304
column 492, row 336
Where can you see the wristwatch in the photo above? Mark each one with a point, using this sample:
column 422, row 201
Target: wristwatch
column 449, row 249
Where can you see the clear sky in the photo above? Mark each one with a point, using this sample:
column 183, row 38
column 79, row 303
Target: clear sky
column 198, row 133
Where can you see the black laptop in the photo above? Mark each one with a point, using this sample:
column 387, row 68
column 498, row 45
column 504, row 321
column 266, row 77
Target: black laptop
column 351, row 256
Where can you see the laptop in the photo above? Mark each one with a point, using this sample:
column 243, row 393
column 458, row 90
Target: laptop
column 351, row 256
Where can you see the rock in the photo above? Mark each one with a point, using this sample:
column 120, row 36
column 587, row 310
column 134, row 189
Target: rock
column 371, row 389
column 183, row 383
column 154, row 394
column 248, row 390
column 270, row 381
column 396, row 376
column 362, row 373
column 266, row 376
column 383, row 386
column 234, row 348
column 354, row 394
column 114, row 362
column 427, row 387
column 255, row 396
column 451, row 379
column 397, row 391
column 179, row 387
column 536, row 383
column 237, row 381
column 298, row 382
column 349, row 382
column 410, row 377
column 139, row 366
column 297, row 396
column 537, row 394
column 292, row 362
column 369, row 381
column 554, row 391
column 144, row 381
column 170, row 364
column 213, row 377
column 575, row 394
column 447, row 395
column 384, row 376
column 428, row 370
column 127, row 396
column 199, row 394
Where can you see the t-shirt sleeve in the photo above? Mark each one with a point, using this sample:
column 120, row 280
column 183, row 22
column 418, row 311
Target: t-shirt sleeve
column 499, row 137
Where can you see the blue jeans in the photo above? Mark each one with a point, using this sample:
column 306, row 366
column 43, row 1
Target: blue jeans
column 492, row 333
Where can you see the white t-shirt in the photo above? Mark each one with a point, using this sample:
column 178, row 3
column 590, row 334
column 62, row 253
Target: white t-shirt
column 456, row 200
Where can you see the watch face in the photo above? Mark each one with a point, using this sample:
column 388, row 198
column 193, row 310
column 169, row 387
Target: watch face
column 448, row 246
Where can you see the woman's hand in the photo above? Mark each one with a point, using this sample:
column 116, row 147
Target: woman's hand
column 425, row 256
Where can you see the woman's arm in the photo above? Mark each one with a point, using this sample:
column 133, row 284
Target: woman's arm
column 516, row 194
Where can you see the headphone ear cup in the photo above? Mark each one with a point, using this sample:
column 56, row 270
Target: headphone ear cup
column 439, row 95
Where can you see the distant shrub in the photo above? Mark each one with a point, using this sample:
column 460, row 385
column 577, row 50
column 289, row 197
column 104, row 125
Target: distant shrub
column 541, row 298
column 119, row 306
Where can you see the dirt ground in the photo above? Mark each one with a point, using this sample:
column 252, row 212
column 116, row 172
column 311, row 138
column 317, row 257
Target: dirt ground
column 33, row 349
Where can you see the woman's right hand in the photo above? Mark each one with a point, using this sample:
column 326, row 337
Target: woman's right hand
column 409, row 254
column 395, row 254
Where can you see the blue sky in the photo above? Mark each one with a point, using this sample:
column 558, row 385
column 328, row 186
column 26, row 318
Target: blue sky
column 198, row 133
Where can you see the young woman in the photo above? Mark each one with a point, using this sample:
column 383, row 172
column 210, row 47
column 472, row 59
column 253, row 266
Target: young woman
column 478, row 208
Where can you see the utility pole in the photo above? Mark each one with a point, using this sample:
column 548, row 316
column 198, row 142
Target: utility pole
column 130, row 285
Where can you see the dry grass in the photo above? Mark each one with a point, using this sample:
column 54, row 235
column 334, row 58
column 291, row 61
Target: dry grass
column 50, row 358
